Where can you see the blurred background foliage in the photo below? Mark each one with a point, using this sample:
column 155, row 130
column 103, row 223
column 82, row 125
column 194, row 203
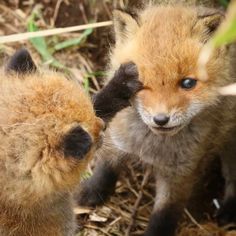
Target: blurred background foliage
column 227, row 32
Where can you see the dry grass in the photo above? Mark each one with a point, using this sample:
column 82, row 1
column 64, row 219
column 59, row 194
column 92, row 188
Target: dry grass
column 128, row 210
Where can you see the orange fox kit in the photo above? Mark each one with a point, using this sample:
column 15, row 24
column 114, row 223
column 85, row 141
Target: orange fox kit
column 49, row 131
column 178, row 120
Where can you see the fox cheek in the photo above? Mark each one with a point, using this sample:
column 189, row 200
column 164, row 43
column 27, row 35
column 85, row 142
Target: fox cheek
column 76, row 143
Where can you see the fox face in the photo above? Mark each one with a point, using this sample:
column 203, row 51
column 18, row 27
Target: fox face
column 166, row 54
column 172, row 98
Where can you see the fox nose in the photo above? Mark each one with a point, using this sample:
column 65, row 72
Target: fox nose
column 161, row 119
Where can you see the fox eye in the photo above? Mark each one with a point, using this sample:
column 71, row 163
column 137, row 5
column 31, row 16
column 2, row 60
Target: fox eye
column 188, row 83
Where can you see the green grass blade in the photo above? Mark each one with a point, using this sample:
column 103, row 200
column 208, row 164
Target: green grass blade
column 86, row 84
column 86, row 175
column 40, row 44
column 228, row 36
column 97, row 74
column 224, row 3
column 227, row 32
column 73, row 42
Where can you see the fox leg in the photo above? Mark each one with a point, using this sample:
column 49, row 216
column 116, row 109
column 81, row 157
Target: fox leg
column 227, row 212
column 97, row 189
column 108, row 102
column 169, row 204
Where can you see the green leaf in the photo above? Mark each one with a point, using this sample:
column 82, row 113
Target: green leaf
column 86, row 84
column 227, row 36
column 40, row 44
column 86, row 175
column 97, row 74
column 224, row 3
column 73, row 42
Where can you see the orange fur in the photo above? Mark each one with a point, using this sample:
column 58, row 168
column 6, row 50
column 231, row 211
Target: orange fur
column 36, row 111
column 173, row 127
column 165, row 52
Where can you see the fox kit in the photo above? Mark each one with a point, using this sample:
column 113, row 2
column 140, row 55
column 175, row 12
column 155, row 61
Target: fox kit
column 178, row 121
column 49, row 131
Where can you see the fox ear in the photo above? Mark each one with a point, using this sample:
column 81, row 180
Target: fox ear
column 76, row 143
column 125, row 25
column 21, row 62
column 210, row 19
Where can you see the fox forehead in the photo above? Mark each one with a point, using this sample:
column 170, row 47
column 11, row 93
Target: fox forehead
column 166, row 26
column 165, row 46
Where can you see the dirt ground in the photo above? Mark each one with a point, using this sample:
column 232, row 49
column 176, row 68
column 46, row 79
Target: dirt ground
column 128, row 210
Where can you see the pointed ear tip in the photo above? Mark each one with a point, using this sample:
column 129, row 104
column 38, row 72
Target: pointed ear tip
column 22, row 53
column 21, row 62
column 117, row 13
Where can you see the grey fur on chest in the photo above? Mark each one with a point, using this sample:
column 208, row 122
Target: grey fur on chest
column 181, row 150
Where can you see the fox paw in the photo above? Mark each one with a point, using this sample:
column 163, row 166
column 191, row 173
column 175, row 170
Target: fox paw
column 125, row 81
column 116, row 95
column 97, row 190
column 227, row 213
column 92, row 196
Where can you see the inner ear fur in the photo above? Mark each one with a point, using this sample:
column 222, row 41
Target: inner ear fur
column 125, row 25
column 210, row 19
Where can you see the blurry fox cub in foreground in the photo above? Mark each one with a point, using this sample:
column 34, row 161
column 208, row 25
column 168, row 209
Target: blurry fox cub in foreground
column 178, row 121
column 49, row 131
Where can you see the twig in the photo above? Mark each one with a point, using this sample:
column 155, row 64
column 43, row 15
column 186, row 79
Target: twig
column 97, row 229
column 115, row 221
column 138, row 201
column 81, row 6
column 194, row 221
column 57, row 8
column 49, row 32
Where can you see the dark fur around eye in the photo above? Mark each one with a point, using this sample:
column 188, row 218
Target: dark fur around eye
column 76, row 143
column 21, row 62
